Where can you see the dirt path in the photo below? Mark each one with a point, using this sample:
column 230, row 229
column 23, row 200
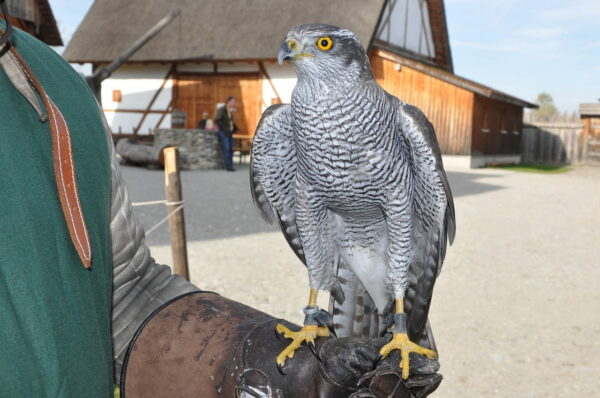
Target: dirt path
column 516, row 310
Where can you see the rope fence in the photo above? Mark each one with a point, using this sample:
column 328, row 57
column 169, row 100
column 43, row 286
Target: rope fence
column 180, row 205
column 175, row 216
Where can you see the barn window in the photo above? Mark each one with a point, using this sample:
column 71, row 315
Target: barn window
column 504, row 121
column 485, row 125
column 405, row 24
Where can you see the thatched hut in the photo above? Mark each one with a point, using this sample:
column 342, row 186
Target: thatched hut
column 36, row 18
column 218, row 48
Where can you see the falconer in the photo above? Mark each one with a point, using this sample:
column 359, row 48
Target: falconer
column 78, row 282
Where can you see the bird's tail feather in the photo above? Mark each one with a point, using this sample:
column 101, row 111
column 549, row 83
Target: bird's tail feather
column 357, row 316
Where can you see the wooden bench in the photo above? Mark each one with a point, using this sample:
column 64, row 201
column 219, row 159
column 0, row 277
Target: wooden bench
column 242, row 143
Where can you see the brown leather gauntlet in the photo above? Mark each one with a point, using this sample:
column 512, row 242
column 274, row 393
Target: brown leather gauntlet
column 204, row 345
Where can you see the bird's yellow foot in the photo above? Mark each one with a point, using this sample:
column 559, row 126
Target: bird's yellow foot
column 307, row 334
column 401, row 342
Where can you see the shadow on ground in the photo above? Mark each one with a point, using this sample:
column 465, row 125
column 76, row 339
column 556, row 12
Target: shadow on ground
column 466, row 183
column 218, row 203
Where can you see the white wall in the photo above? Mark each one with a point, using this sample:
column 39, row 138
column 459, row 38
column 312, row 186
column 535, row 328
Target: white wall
column 283, row 78
column 138, row 84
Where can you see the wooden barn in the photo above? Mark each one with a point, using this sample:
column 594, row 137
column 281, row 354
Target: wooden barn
column 36, row 18
column 217, row 48
column 590, row 116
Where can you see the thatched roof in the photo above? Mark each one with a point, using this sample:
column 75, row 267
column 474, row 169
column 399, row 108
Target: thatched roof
column 37, row 18
column 48, row 29
column 212, row 29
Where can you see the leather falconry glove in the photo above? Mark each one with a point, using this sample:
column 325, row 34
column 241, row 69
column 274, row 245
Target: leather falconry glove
column 204, row 345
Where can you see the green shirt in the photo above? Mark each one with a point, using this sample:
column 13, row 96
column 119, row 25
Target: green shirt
column 55, row 336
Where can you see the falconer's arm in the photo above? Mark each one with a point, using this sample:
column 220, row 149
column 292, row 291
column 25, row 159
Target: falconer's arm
column 140, row 285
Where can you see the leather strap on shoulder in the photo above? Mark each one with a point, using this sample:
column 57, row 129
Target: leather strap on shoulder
column 64, row 169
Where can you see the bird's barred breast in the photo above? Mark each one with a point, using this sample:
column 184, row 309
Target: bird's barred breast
column 346, row 146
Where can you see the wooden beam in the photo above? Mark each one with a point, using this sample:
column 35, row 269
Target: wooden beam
column 587, row 125
column 212, row 73
column 263, row 70
column 175, row 91
column 385, row 23
column 181, row 61
column 169, row 110
column 165, row 80
column 121, row 110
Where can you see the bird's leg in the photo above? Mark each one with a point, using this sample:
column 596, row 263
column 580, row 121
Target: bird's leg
column 398, row 213
column 312, row 328
column 311, row 221
column 400, row 341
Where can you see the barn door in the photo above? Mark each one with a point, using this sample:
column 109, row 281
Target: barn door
column 195, row 94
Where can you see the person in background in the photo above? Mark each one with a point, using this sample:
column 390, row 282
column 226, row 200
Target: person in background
column 226, row 128
column 205, row 123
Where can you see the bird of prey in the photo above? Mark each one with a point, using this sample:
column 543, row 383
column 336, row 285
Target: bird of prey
column 355, row 179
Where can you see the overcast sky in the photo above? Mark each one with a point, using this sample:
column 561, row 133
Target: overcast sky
column 519, row 47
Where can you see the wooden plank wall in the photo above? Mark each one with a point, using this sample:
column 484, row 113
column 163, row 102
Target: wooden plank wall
column 448, row 107
column 497, row 127
column 591, row 127
column 590, row 140
column 196, row 93
column 552, row 143
column 591, row 151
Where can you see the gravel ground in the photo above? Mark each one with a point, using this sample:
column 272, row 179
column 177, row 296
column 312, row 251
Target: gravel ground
column 516, row 310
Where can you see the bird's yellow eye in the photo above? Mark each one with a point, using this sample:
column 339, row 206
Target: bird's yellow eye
column 324, row 43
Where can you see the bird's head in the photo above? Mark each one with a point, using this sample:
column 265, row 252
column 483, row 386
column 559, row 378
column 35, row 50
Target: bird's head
column 325, row 52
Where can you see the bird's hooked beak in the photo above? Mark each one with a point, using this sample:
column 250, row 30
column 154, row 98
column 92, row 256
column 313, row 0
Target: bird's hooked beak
column 285, row 52
column 291, row 50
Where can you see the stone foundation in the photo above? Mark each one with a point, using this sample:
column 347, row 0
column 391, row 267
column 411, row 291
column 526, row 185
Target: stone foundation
column 198, row 149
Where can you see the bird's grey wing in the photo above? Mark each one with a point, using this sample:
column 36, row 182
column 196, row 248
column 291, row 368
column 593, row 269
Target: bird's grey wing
column 273, row 171
column 433, row 215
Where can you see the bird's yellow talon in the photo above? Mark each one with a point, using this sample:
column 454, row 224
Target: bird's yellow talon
column 306, row 334
column 401, row 342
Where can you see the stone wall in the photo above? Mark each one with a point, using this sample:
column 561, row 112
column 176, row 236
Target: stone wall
column 198, row 149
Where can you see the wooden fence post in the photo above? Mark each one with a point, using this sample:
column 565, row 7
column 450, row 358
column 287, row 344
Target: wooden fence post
column 176, row 221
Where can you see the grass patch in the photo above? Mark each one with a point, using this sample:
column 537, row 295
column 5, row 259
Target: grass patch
column 536, row 168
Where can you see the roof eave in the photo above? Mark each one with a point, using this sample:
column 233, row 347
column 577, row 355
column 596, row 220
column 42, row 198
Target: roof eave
column 451, row 78
column 379, row 44
column 170, row 61
column 49, row 32
column 589, row 110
